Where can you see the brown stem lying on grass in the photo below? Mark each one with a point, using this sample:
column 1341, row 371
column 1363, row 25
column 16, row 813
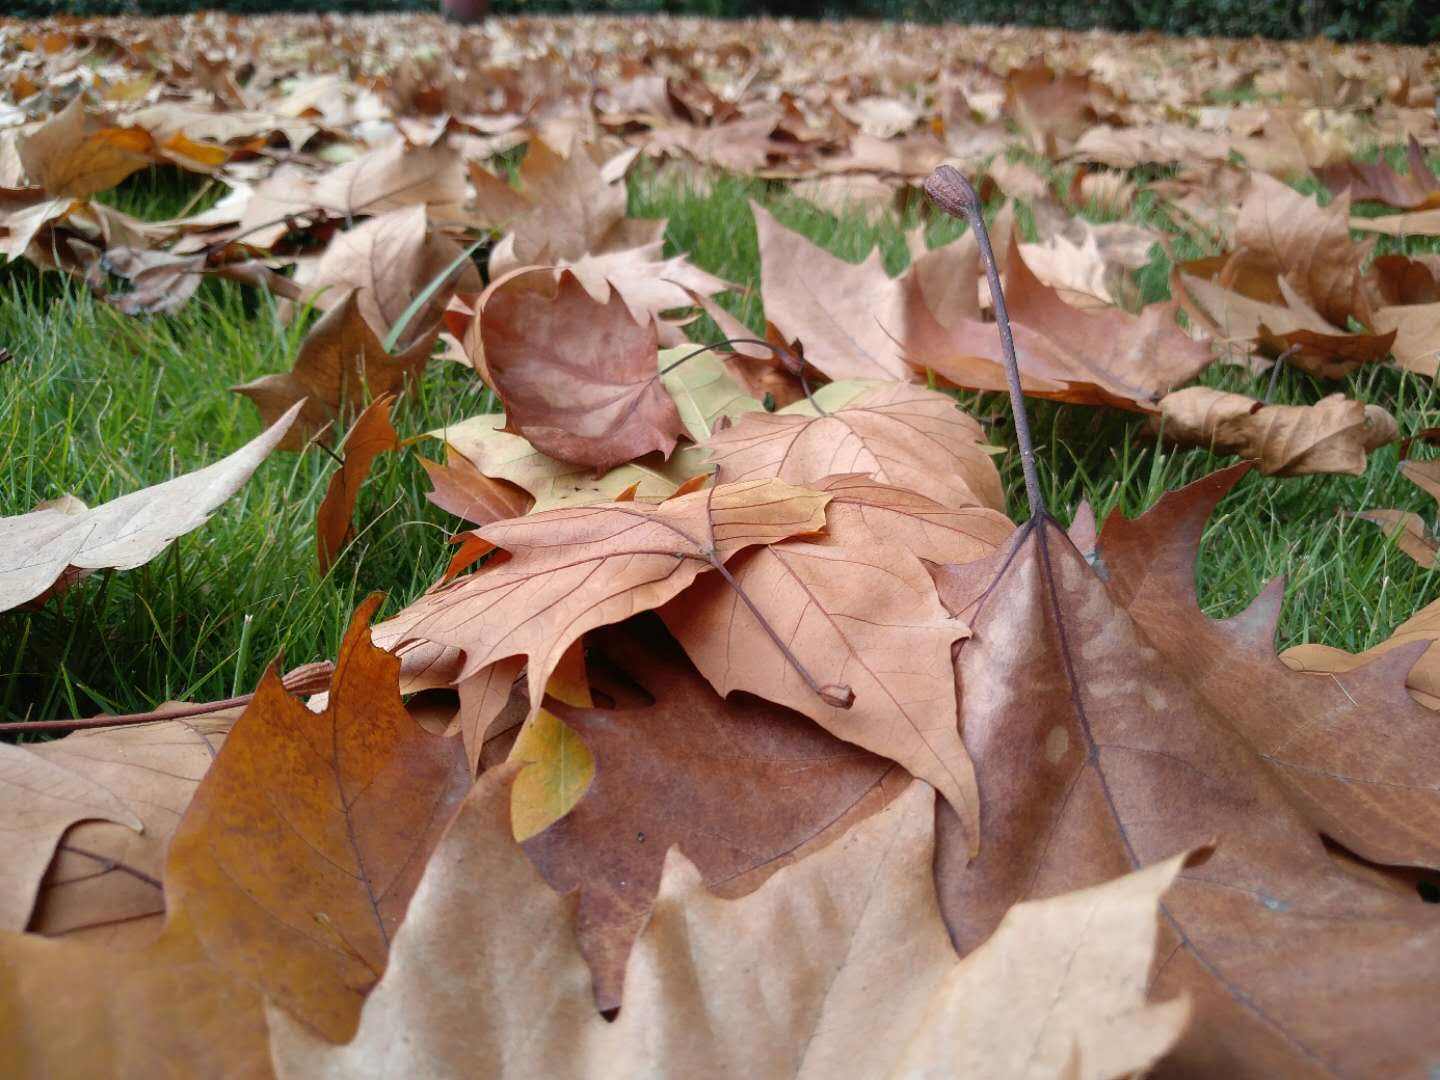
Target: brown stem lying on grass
column 951, row 192
column 305, row 679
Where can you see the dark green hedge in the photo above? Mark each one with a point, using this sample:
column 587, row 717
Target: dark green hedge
column 1412, row 21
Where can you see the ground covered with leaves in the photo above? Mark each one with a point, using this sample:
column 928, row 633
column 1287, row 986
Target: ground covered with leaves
column 465, row 670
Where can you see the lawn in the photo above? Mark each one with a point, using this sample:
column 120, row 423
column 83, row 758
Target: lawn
column 97, row 404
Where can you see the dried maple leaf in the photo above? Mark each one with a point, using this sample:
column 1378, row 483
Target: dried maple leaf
column 104, row 884
column 1417, row 190
column 1331, row 436
column 578, row 378
column 493, row 974
column 40, row 800
column 706, row 395
column 573, row 569
column 387, row 261
column 1415, row 335
column 299, row 852
column 1413, row 535
column 371, row 435
column 1424, row 677
column 905, row 436
column 37, row 548
column 863, row 512
column 1102, row 744
column 341, row 364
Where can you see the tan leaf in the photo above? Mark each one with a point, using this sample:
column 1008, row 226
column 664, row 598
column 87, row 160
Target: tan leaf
column 494, row 975
column 40, row 799
column 463, row 490
column 73, row 155
column 1331, row 436
column 36, row 548
column 905, row 436
column 1418, row 189
column 297, row 857
column 575, row 569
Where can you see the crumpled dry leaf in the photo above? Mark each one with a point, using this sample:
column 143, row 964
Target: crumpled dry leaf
column 1331, row 436
column 37, row 548
column 493, row 974
column 1096, row 752
column 297, row 886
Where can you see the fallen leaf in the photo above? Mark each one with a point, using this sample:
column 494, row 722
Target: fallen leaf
column 37, row 548
column 558, row 765
column 494, row 974
column 905, row 436
column 1424, row 677
column 75, row 155
column 104, row 884
column 299, row 852
column 1416, row 190
column 370, row 436
column 577, row 568
column 578, row 378
column 1331, row 436
column 703, row 390
column 1096, row 753
column 463, row 490
column 40, row 800
column 340, row 366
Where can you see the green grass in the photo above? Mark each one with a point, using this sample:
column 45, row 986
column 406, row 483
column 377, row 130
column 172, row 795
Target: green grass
column 99, row 404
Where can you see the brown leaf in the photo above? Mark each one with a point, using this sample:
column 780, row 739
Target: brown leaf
column 578, row 378
column 74, row 155
column 575, row 569
column 1424, row 677
column 904, row 436
column 743, row 787
column 40, row 799
column 1419, row 189
column 370, row 436
column 463, row 490
column 37, row 548
column 300, row 850
column 1358, row 756
column 1331, row 436
column 141, row 1012
column 493, row 974
column 863, row 513
column 104, row 885
column 1415, row 336
column 387, row 261
column 341, row 365
column 1096, row 753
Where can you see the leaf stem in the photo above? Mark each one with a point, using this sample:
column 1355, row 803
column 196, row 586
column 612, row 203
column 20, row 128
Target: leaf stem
column 952, row 193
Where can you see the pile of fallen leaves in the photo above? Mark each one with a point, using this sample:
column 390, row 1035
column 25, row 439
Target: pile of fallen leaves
column 744, row 734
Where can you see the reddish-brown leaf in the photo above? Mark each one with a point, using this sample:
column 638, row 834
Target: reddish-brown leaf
column 370, row 436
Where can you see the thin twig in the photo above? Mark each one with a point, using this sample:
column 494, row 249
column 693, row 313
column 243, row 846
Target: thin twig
column 1275, row 370
column 952, row 193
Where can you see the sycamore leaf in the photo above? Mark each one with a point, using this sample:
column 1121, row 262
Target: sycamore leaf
column 862, row 513
column 37, row 548
column 299, row 852
column 1379, row 182
column 573, row 569
column 703, row 391
column 1097, row 753
column 370, row 436
column 340, row 366
column 39, row 800
column 578, row 377
column 1424, row 677
column 1331, row 436
column 493, row 974
column 104, row 885
column 558, row 765
column 902, row 435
